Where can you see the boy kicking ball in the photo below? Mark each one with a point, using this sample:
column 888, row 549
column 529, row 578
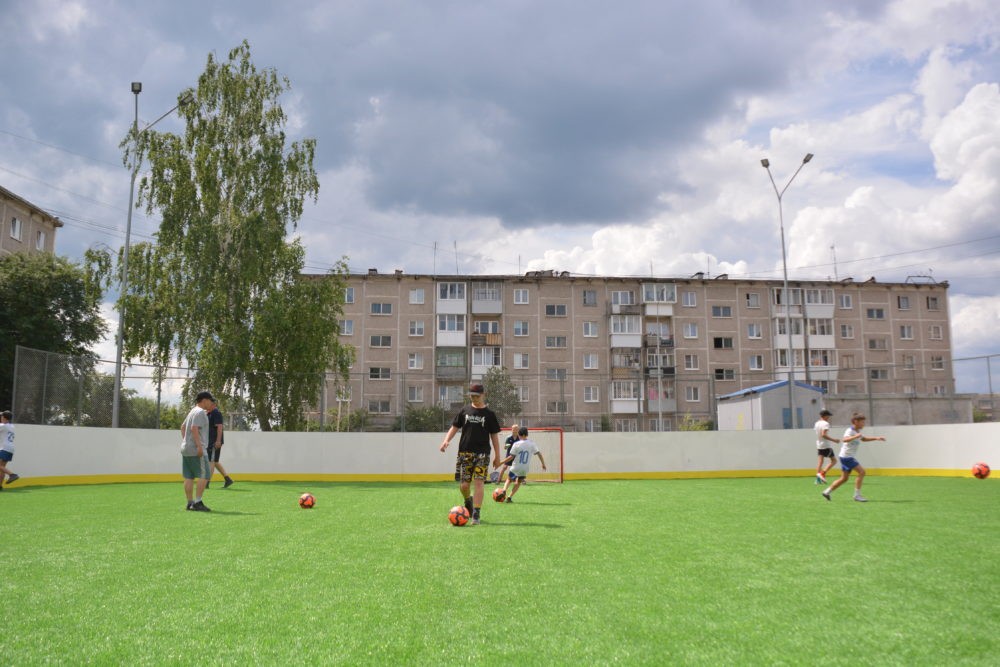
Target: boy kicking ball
column 519, row 461
column 848, row 448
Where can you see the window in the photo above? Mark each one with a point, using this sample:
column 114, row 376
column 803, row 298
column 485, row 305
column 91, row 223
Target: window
column 523, row 394
column 722, row 343
column 591, row 394
column 903, row 302
column 782, row 358
column 555, row 407
column 486, row 327
column 939, row 390
column 659, row 293
column 906, row 332
column 555, row 310
column 725, row 374
column 754, row 330
column 753, row 300
column 486, row 291
column 486, row 356
column 415, row 361
column 381, row 309
column 756, row 362
column 555, row 373
column 936, row 332
column 662, row 360
column 875, row 313
column 555, row 341
column 937, row 363
column 820, row 327
column 819, row 296
column 626, row 425
column 909, row 361
column 933, row 303
column 878, row 344
column 451, row 291
column 691, row 362
column 39, row 240
column 416, row 327
column 520, row 360
column 378, row 406
column 689, row 299
column 415, row 394
column 847, row 331
column 380, row 341
column 589, row 297
column 822, row 358
column 346, row 327
column 451, row 394
column 520, row 327
column 349, row 295
column 847, row 361
column 623, row 298
column 376, row 373
column 590, row 362
column 692, row 394
column 590, row 329
column 722, row 311
column 622, row 390
column 417, row 295
column 626, row 324
column 782, row 329
column 690, row 330
column 878, row 373
column 15, row 229
column 451, row 322
column 592, row 425
column 794, row 294
column 846, row 302
column 520, row 296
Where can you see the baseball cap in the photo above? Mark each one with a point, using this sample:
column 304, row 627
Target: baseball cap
column 476, row 388
column 825, row 413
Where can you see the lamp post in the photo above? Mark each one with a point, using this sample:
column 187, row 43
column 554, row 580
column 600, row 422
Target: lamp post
column 786, row 297
column 123, row 288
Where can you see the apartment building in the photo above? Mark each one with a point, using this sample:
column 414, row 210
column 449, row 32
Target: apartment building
column 25, row 227
column 633, row 354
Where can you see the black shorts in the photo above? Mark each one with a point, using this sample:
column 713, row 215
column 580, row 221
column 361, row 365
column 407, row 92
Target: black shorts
column 213, row 453
column 825, row 452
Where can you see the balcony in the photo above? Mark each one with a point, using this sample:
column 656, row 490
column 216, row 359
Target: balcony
column 486, row 340
column 624, row 372
column 450, row 372
column 621, row 309
column 655, row 340
column 661, row 372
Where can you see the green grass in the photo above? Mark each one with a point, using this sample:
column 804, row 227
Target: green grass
column 751, row 571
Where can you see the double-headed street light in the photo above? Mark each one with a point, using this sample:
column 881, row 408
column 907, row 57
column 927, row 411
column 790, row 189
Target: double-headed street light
column 786, row 297
column 123, row 288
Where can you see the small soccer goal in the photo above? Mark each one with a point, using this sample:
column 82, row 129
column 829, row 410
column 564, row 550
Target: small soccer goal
column 550, row 443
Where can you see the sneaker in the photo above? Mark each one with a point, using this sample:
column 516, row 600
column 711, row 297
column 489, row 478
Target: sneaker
column 860, row 498
column 13, row 478
column 510, row 500
column 474, row 521
column 826, row 494
column 229, row 483
column 190, row 505
column 820, row 478
column 200, row 507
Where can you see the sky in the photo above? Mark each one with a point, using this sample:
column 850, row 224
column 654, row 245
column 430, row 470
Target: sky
column 592, row 137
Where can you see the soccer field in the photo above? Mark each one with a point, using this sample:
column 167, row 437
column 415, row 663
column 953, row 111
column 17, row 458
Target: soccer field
column 715, row 571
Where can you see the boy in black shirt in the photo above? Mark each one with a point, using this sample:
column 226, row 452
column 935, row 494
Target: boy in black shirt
column 479, row 428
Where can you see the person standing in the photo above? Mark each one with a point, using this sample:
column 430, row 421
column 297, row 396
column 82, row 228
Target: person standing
column 822, row 427
column 194, row 460
column 7, row 447
column 479, row 427
column 508, row 443
column 848, row 448
column 215, row 442
column 519, row 460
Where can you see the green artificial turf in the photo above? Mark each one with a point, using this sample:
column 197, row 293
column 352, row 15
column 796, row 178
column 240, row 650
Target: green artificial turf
column 716, row 571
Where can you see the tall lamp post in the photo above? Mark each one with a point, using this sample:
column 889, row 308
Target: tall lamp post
column 123, row 288
column 786, row 296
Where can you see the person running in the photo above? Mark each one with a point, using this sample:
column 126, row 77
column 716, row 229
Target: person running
column 7, row 448
column 479, row 427
column 848, row 448
column 519, row 460
column 824, row 450
column 194, row 462
column 215, row 441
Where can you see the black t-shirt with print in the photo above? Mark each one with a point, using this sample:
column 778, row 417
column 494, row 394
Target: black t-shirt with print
column 477, row 424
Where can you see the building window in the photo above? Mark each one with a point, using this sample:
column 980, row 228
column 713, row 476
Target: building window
column 933, row 303
column 348, row 295
column 722, row 311
column 523, row 394
column 555, row 373
column 820, row 327
column 415, row 361
column 878, row 374
column 590, row 362
column 450, row 394
column 875, row 313
column 753, row 300
column 903, row 302
column 417, row 295
column 451, row 292
column 520, row 360
column 626, row 324
column 939, row 390
column 626, row 425
column 623, row 298
column 624, row 390
column 819, row 296
column 725, row 374
column 936, row 332
column 592, row 425
column 937, row 363
column 754, row 330
column 756, row 362
column 692, row 394
column 520, row 327
column 906, row 332
column 822, row 358
column 486, row 356
column 690, row 330
column 690, row 362
column 346, row 327
column 555, row 407
column 381, row 309
column 416, row 327
column 451, row 322
column 846, row 302
column 591, row 394
column 379, row 406
column 486, row 291
column 659, row 293
column 722, row 343
column 782, row 329
column 590, row 329
column 377, row 373
column 847, row 331
column 520, row 296
column 380, row 341
column 909, row 361
column 39, row 240
column 555, row 342
column 847, row 361
column 689, row 299
column 415, row 394
column 555, row 310
column 589, row 297
column 486, row 327
column 878, row 344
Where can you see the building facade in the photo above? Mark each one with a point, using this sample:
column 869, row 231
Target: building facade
column 26, row 227
column 633, row 354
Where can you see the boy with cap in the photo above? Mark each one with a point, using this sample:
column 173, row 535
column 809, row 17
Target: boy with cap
column 480, row 429
column 194, row 461
column 824, row 450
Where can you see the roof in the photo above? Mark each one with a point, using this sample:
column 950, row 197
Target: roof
column 56, row 222
column 761, row 388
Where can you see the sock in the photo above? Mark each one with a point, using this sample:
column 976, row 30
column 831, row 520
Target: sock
column 475, row 513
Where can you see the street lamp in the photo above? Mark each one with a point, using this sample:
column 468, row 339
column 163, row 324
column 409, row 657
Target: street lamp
column 136, row 133
column 785, row 294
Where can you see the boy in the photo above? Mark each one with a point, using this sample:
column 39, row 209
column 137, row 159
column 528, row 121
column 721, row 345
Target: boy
column 7, row 447
column 508, row 443
column 824, row 450
column 479, row 427
column 848, row 448
column 519, row 461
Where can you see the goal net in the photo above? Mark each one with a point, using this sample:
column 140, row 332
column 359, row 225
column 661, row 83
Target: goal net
column 550, row 443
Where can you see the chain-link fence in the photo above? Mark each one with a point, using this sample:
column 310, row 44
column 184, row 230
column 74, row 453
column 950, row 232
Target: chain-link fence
column 51, row 388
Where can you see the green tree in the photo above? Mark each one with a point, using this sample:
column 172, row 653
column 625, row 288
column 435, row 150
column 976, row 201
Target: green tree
column 222, row 287
column 501, row 394
column 47, row 303
column 689, row 423
column 427, row 419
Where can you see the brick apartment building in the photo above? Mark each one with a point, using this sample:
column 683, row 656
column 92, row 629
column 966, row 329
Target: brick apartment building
column 633, row 354
column 25, row 227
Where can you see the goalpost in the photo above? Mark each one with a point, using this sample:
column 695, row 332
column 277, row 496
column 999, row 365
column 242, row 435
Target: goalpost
column 550, row 443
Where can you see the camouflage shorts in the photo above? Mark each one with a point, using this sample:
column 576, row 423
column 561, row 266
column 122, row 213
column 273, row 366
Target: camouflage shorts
column 471, row 465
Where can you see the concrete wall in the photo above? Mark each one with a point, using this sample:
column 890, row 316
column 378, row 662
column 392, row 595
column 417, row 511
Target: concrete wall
column 69, row 455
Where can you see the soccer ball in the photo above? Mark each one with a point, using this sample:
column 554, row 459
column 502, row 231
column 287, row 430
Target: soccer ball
column 499, row 495
column 307, row 501
column 458, row 516
column 981, row 471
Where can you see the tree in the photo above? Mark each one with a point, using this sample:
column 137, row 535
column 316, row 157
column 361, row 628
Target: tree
column 222, row 288
column 501, row 394
column 47, row 303
column 427, row 419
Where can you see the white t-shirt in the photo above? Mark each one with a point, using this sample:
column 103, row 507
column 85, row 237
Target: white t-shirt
column 849, row 448
column 197, row 417
column 821, row 426
column 7, row 437
column 522, row 450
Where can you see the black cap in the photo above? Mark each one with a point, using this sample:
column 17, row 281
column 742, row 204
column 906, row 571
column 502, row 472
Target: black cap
column 825, row 413
column 476, row 388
